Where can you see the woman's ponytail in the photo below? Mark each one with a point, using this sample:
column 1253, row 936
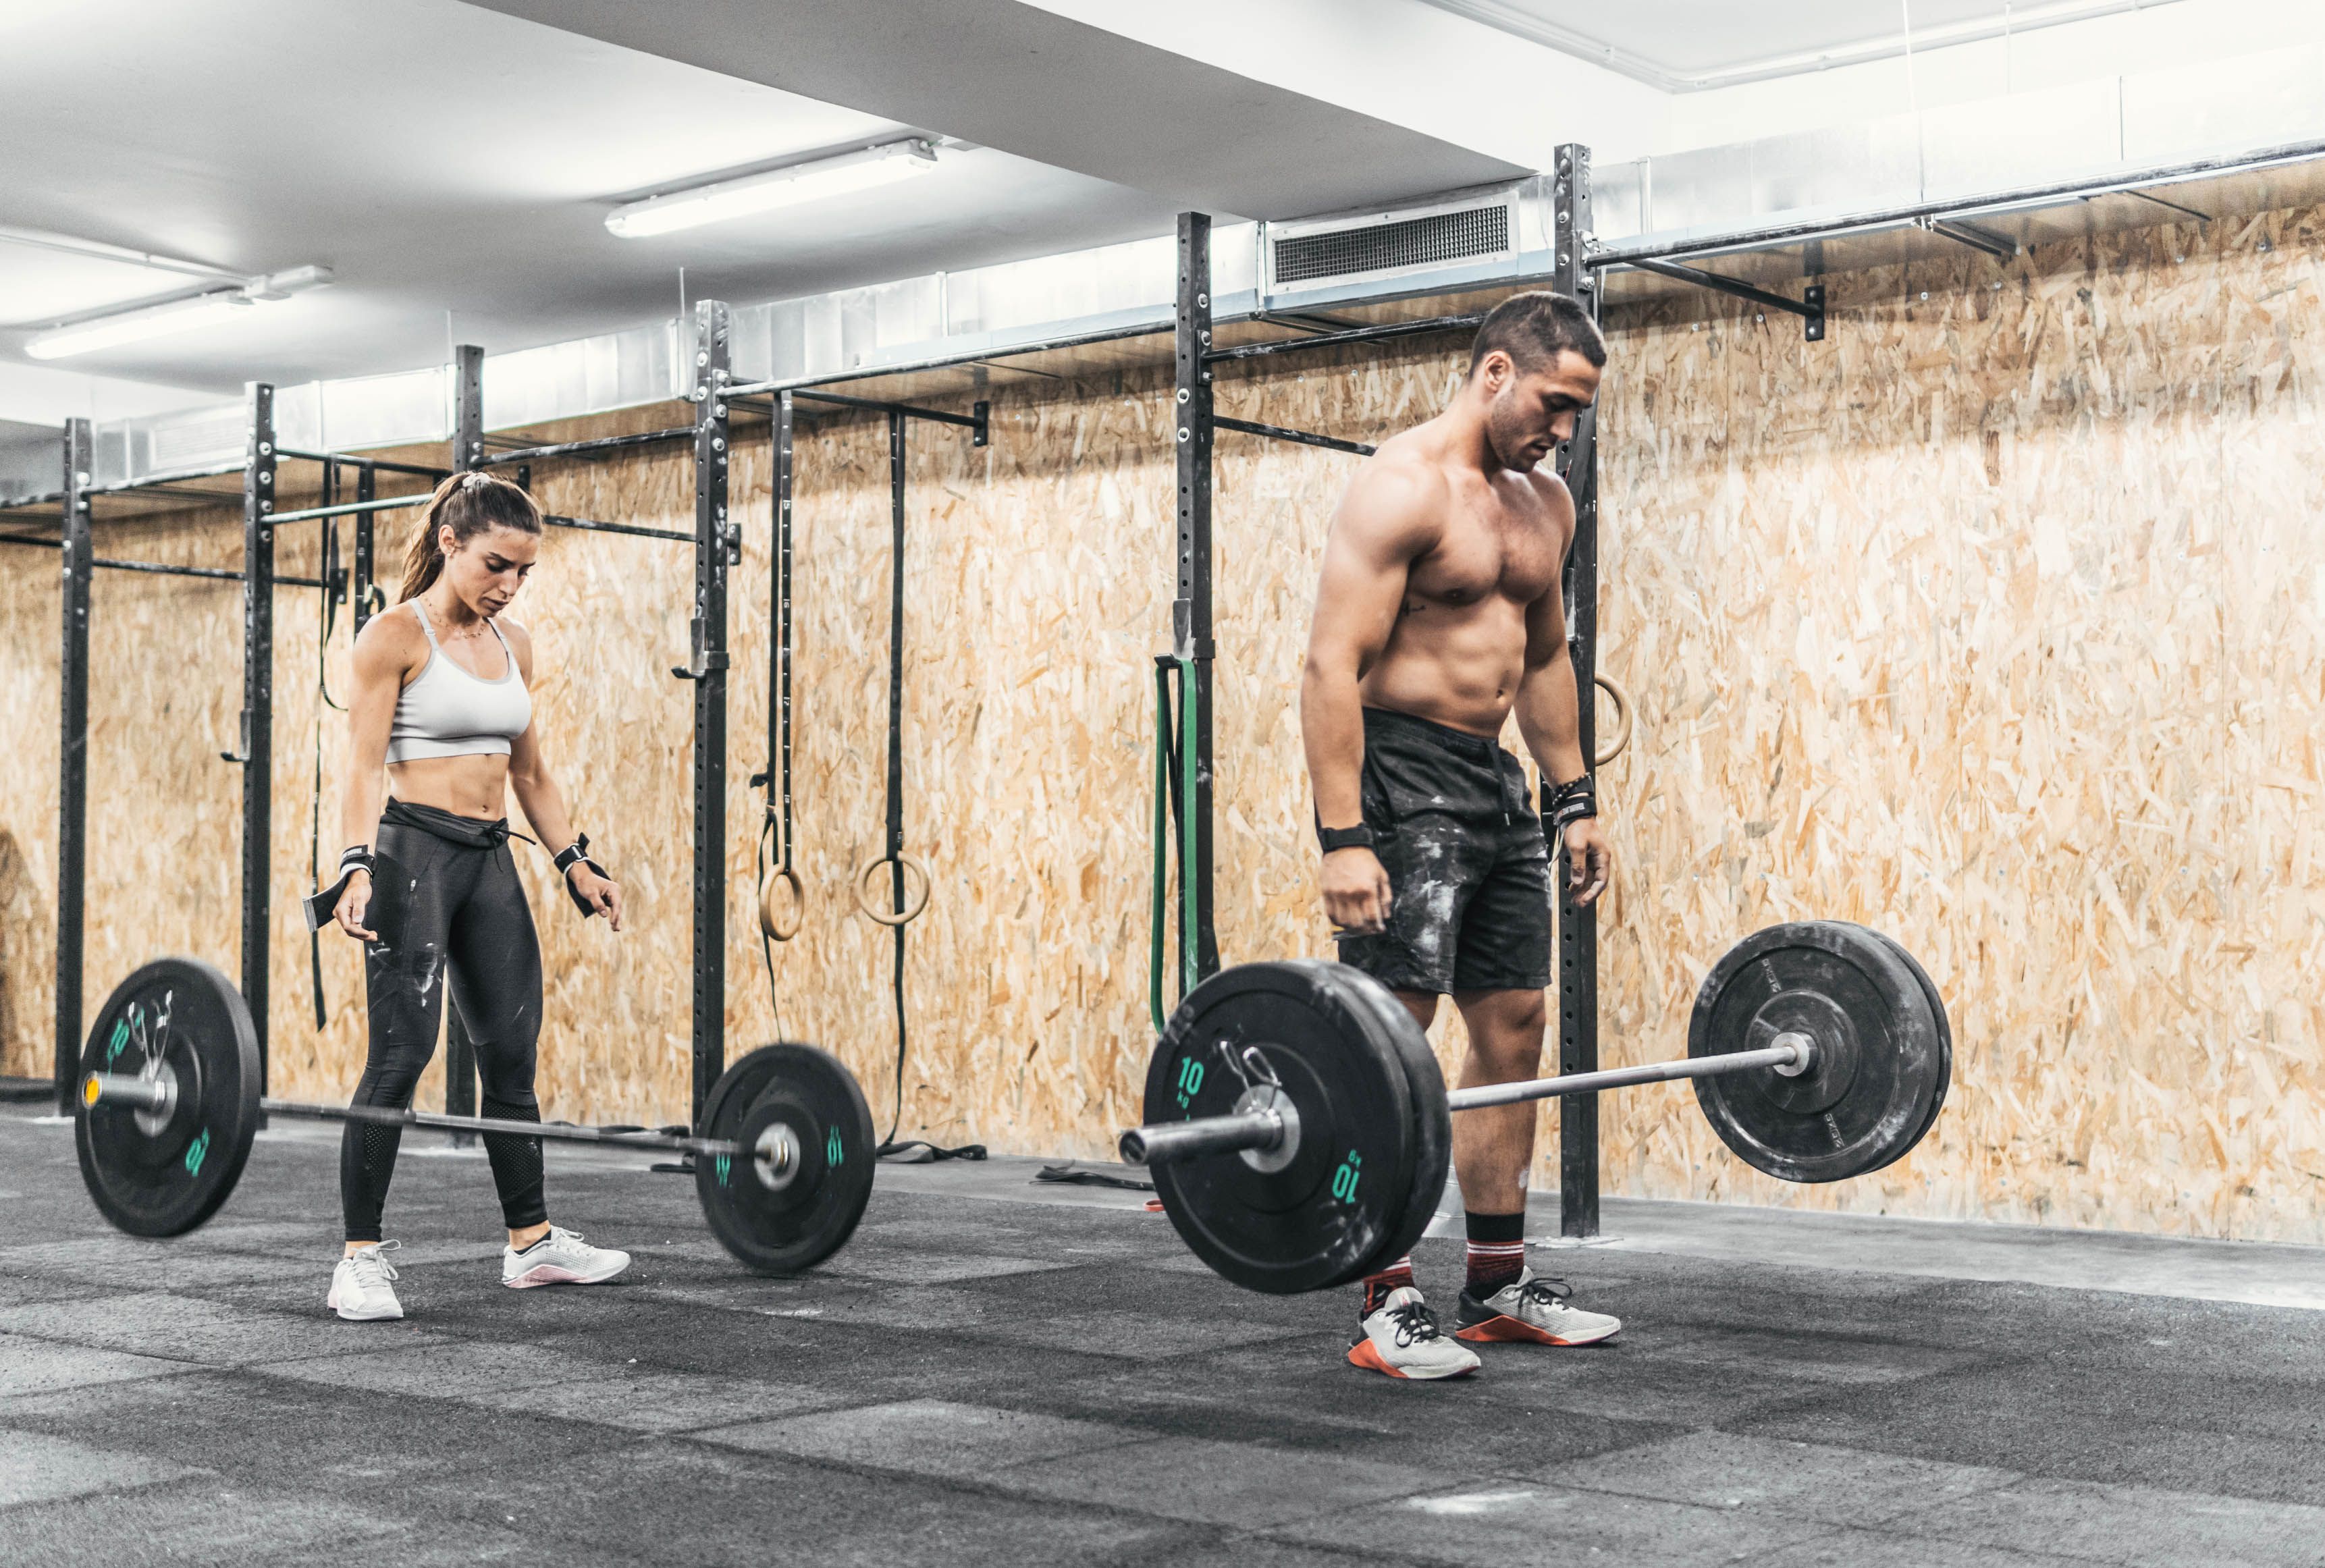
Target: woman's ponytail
column 470, row 504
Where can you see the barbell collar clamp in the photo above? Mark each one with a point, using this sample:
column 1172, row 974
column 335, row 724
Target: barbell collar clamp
column 776, row 1157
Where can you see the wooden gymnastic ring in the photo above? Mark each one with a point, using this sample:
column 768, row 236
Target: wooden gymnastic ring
column 1609, row 751
column 776, row 928
column 911, row 910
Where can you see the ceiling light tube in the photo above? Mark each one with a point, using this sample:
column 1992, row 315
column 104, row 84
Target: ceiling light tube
column 756, row 193
column 112, row 331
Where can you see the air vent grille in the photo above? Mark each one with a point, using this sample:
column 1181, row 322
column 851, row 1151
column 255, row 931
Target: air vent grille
column 1412, row 241
column 198, row 442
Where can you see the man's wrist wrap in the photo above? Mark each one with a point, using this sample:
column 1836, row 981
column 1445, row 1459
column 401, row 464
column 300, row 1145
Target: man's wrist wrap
column 1569, row 803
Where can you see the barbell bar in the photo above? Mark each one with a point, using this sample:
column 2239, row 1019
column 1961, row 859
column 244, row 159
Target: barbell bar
column 784, row 1154
column 1300, row 1132
column 157, row 1096
column 1269, row 1127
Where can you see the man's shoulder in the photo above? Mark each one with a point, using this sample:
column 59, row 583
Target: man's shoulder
column 1403, row 471
column 1548, row 490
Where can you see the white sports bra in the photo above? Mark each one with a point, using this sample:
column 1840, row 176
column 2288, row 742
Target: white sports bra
column 447, row 712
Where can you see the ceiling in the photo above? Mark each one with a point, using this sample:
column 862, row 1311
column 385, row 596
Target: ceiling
column 452, row 164
column 1689, row 45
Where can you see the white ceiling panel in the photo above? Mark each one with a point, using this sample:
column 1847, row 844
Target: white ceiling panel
column 1684, row 44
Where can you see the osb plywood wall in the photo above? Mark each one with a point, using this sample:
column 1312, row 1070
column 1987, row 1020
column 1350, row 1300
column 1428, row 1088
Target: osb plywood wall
column 1993, row 620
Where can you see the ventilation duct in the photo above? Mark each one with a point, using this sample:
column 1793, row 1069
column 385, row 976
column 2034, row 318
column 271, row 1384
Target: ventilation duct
column 1476, row 231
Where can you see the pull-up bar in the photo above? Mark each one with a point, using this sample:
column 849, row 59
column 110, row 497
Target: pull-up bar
column 1298, row 438
column 582, row 448
column 979, row 422
column 163, row 568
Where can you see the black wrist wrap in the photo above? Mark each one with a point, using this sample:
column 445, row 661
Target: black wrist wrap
column 573, row 854
column 1568, row 803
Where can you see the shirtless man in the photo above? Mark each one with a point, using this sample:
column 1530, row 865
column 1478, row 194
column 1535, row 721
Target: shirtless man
column 1439, row 612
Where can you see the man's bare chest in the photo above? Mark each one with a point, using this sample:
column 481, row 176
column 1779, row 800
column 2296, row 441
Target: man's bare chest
column 1490, row 554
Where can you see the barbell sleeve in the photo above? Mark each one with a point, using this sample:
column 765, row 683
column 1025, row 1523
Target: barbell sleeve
column 1170, row 1141
column 1795, row 1056
column 131, row 1093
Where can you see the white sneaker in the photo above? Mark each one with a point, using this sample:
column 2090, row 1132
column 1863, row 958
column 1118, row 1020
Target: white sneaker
column 1401, row 1339
column 360, row 1291
column 1533, row 1310
column 559, row 1258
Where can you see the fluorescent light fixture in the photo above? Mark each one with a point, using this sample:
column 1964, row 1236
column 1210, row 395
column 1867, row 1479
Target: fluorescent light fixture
column 112, row 328
column 802, row 182
column 112, row 331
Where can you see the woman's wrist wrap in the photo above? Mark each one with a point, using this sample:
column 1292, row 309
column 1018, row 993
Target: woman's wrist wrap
column 1569, row 803
column 573, row 854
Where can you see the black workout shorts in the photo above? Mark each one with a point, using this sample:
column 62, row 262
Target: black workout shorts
column 1467, row 863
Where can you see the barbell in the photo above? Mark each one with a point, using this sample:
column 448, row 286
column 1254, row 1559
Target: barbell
column 1298, row 1130
column 169, row 1107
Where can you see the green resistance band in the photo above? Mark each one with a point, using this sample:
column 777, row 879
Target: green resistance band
column 1157, row 953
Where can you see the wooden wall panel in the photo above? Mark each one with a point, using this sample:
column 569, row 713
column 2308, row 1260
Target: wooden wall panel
column 1993, row 620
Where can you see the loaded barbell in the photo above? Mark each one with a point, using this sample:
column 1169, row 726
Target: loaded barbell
column 1298, row 1130
column 169, row 1107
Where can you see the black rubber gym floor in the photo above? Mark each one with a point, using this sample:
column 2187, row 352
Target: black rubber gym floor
column 975, row 1381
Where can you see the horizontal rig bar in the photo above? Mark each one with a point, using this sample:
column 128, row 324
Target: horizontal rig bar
column 1795, row 1056
column 1353, row 335
column 1299, row 437
column 164, row 568
column 54, row 497
column 348, row 509
column 378, row 465
column 1809, row 309
column 582, row 448
column 1999, row 246
column 977, row 421
column 587, row 526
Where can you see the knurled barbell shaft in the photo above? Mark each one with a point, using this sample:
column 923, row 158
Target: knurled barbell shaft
column 1174, row 1141
column 147, row 1094
column 1485, row 1094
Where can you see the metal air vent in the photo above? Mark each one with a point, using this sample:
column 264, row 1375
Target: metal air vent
column 1325, row 253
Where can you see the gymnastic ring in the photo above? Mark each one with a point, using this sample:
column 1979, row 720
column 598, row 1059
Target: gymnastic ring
column 1609, row 751
column 912, row 907
column 774, row 925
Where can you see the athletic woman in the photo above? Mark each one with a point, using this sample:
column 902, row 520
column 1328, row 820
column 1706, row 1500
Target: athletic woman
column 440, row 704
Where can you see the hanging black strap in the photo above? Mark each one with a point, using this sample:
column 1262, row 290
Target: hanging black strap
column 334, row 589
column 911, row 1151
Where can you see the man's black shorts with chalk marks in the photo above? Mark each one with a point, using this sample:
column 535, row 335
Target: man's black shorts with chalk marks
column 1468, row 867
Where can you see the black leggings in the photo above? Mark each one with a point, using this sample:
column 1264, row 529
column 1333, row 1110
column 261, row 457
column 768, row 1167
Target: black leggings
column 468, row 924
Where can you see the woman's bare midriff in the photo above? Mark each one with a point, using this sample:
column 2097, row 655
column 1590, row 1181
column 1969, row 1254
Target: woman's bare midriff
column 474, row 786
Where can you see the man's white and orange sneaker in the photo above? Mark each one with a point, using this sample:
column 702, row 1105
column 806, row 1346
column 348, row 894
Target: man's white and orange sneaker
column 1532, row 1311
column 1402, row 1339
